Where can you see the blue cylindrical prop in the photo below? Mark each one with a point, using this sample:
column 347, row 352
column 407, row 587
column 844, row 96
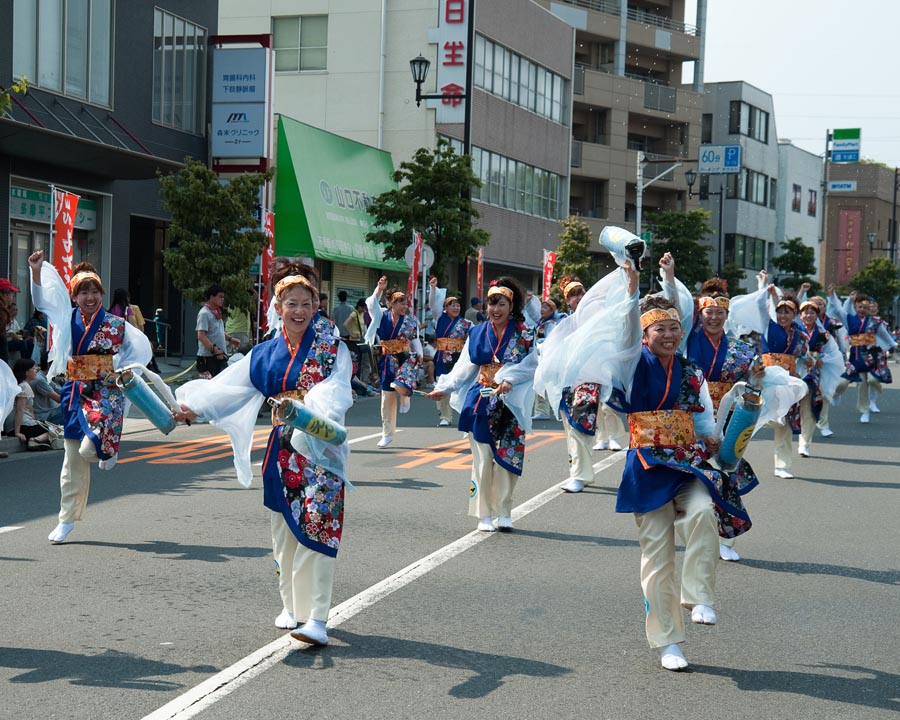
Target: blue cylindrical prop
column 739, row 429
column 297, row 415
column 144, row 399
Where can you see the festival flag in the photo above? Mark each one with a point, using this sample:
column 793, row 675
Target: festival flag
column 265, row 270
column 64, row 206
column 549, row 263
column 413, row 284
column 479, row 273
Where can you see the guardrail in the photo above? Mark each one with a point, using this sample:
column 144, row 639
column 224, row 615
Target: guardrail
column 636, row 14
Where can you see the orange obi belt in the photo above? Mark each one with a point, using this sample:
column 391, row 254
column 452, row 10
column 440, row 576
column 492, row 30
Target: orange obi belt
column 453, row 345
column 394, row 347
column 788, row 362
column 290, row 395
column 89, row 367
column 661, row 428
column 486, row 376
column 859, row 339
column 717, row 391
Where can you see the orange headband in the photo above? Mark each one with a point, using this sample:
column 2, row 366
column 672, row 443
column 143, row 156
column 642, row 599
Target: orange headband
column 810, row 303
column 706, row 301
column 574, row 285
column 450, row 299
column 286, row 282
column 500, row 290
column 395, row 297
column 658, row 315
column 789, row 303
column 81, row 277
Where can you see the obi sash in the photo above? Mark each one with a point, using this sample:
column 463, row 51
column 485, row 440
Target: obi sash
column 446, row 344
column 89, row 367
column 395, row 347
column 661, row 428
column 487, row 373
column 788, row 362
column 862, row 339
column 717, row 391
column 298, row 395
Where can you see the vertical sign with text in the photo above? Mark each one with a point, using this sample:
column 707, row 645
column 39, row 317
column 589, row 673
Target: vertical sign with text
column 65, row 206
column 451, row 64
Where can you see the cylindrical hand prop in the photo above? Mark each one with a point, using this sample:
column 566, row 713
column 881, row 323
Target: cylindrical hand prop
column 739, row 424
column 144, row 399
column 297, row 415
column 623, row 245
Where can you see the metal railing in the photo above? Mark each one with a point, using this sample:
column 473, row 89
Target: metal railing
column 636, row 14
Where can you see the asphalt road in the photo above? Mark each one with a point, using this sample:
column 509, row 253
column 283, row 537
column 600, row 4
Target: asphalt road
column 168, row 582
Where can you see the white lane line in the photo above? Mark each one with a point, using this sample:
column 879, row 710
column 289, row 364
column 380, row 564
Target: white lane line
column 210, row 691
column 10, row 528
column 349, row 442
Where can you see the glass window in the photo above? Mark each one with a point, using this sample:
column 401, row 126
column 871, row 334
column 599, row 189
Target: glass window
column 50, row 51
column 526, row 80
column 300, row 43
column 511, row 174
column 706, row 124
column 488, row 66
column 773, row 192
column 24, row 39
column 478, row 72
column 179, row 72
column 556, row 103
column 497, row 87
column 521, row 173
column 514, row 79
column 795, row 198
column 540, row 91
column 101, row 52
column 811, row 206
column 734, row 117
column 76, row 47
column 476, row 171
column 529, row 190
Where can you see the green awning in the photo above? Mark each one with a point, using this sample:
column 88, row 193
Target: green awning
column 322, row 188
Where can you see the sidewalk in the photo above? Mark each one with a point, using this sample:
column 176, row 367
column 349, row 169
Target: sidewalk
column 135, row 422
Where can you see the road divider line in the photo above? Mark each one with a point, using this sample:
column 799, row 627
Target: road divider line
column 10, row 528
column 213, row 689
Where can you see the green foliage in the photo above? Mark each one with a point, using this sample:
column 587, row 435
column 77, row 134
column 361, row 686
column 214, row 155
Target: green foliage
column 682, row 234
column 796, row 265
column 733, row 275
column 878, row 279
column 573, row 257
column 433, row 198
column 213, row 232
column 20, row 87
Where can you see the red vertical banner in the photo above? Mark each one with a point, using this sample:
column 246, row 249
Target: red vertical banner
column 549, row 263
column 265, row 266
column 479, row 274
column 413, row 284
column 65, row 205
column 849, row 233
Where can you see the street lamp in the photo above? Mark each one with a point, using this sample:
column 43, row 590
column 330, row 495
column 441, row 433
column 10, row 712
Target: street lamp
column 419, row 66
column 690, row 177
column 872, row 238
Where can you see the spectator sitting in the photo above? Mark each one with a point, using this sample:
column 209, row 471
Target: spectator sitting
column 46, row 395
column 16, row 340
column 26, row 428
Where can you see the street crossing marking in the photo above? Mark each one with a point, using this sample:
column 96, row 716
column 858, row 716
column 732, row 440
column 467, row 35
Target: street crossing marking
column 215, row 688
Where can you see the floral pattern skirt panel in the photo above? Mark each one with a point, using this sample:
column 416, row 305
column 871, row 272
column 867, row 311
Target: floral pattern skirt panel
column 402, row 369
column 94, row 409
column 580, row 407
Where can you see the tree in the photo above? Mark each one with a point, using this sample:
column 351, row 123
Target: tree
column 214, row 232
column 796, row 265
column 878, row 279
column 20, row 87
column 733, row 275
column 682, row 234
column 573, row 256
column 433, row 198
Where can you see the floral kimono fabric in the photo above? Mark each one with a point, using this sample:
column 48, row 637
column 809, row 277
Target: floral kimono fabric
column 452, row 329
column 309, row 497
column 796, row 343
column 487, row 417
column 95, row 408
column 401, row 368
column 580, row 407
column 866, row 358
column 653, row 475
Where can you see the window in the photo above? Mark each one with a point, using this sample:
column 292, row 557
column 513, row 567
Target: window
column 811, row 205
column 65, row 46
column 515, row 185
column 744, row 119
column 179, row 73
column 301, row 43
column 795, row 198
column 773, row 192
column 706, row 126
column 745, row 252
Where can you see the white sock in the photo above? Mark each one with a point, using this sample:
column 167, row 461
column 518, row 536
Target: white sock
column 703, row 615
column 671, row 657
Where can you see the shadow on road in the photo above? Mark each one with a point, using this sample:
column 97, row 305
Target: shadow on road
column 875, row 689
column 567, row 537
column 179, row 551
column 397, row 484
column 490, row 671
column 885, row 577
column 854, row 483
column 110, row 668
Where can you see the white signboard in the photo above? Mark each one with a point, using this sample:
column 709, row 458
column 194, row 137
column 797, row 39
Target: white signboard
column 452, row 40
column 240, row 110
column 841, row 186
column 239, row 75
column 239, row 130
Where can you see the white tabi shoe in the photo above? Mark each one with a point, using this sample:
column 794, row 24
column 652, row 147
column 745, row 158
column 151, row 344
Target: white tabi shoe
column 312, row 632
column 504, row 524
column 864, row 418
column 385, row 441
column 671, row 658
column 573, row 486
column 826, row 432
column 285, row 620
column 60, row 533
column 803, row 449
column 404, row 404
column 703, row 615
column 601, row 445
column 486, row 524
column 444, row 423
column 614, row 445
column 728, row 553
column 783, row 474
column 873, row 407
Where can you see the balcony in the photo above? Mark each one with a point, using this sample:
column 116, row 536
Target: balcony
column 636, row 14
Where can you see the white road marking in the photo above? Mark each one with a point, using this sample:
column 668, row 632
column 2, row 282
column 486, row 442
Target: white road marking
column 10, row 528
column 210, row 691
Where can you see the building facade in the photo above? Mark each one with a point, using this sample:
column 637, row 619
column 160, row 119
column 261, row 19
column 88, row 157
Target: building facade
column 799, row 202
column 737, row 113
column 116, row 93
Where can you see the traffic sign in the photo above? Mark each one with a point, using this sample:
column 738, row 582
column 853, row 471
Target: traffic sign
column 845, row 145
column 719, row 159
column 427, row 255
column 647, row 236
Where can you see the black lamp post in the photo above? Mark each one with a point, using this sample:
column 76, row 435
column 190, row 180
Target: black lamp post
column 690, row 177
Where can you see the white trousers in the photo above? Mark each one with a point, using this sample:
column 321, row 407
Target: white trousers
column 691, row 514
column 445, row 412
column 783, row 435
column 862, row 398
column 609, row 425
column 579, row 446
column 75, row 478
column 541, row 406
column 305, row 577
column 823, row 416
column 388, row 412
column 492, row 485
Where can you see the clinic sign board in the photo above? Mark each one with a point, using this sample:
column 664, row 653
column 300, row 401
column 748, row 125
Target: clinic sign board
column 239, row 102
column 845, row 145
